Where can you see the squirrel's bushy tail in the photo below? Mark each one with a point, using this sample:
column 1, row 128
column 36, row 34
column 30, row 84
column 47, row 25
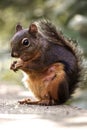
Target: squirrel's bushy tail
column 52, row 34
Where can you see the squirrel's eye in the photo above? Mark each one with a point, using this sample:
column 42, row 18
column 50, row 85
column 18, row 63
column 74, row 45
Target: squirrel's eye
column 25, row 42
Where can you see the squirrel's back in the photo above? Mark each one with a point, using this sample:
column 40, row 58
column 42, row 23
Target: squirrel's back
column 64, row 50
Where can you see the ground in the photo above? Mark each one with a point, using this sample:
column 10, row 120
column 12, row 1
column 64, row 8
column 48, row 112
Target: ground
column 12, row 114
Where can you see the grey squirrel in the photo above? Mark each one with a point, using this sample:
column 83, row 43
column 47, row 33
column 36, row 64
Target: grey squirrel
column 49, row 60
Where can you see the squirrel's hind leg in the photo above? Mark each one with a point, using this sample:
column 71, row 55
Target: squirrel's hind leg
column 43, row 102
column 28, row 101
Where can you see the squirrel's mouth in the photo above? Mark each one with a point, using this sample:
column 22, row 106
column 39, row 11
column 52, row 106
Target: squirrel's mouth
column 14, row 54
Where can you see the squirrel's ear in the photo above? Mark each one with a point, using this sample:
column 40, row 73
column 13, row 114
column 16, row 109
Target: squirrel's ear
column 33, row 29
column 18, row 27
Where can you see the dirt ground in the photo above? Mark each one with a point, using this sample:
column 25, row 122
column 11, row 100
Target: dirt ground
column 12, row 114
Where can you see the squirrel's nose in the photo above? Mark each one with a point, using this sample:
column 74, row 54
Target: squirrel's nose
column 14, row 54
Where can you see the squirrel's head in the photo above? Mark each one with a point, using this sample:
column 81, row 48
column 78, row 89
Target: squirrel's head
column 26, row 42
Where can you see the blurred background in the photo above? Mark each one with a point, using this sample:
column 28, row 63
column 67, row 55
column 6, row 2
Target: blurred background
column 68, row 15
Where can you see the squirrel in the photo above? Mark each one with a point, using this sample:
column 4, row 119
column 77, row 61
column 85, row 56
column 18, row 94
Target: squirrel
column 50, row 61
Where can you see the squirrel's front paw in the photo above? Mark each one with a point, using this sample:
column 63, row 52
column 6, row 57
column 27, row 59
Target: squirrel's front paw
column 15, row 65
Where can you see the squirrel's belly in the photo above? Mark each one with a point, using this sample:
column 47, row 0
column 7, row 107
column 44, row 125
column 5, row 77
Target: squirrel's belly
column 43, row 83
column 34, row 85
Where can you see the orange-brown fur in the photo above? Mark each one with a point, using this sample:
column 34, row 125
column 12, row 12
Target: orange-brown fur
column 44, row 84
